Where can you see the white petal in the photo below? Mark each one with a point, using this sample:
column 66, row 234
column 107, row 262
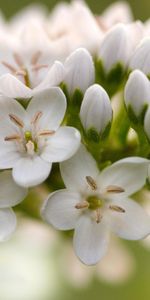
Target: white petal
column 141, row 57
column 137, row 92
column 115, row 47
column 10, row 86
column 7, row 223
column 53, row 77
column 59, row 209
column 8, row 155
column 117, row 12
column 10, row 193
column 79, row 71
column 30, row 171
column 62, row 145
column 129, row 173
column 96, row 111
column 52, row 103
column 133, row 224
column 75, row 170
column 10, row 106
column 147, row 123
column 90, row 240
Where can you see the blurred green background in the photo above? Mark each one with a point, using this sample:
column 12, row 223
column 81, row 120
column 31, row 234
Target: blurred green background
column 141, row 9
column 34, row 264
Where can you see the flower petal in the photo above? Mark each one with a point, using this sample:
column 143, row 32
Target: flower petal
column 79, row 70
column 133, row 224
column 10, row 193
column 53, row 77
column 10, row 86
column 62, row 145
column 7, row 223
column 59, row 209
column 90, row 240
column 31, row 171
column 75, row 170
column 52, row 103
column 129, row 174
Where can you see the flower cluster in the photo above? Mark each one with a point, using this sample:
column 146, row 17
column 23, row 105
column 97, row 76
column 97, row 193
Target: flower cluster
column 75, row 91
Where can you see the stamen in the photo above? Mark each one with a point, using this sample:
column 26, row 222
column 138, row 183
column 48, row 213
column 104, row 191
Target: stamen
column 16, row 120
column 98, row 215
column 18, row 59
column 115, row 189
column 36, row 117
column 9, row 66
column 21, row 73
column 35, row 57
column 38, row 67
column 117, row 208
column 14, row 137
column 30, row 148
column 83, row 204
column 91, row 182
column 46, row 132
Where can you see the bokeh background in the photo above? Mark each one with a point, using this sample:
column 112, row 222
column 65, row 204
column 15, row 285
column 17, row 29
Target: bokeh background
column 38, row 263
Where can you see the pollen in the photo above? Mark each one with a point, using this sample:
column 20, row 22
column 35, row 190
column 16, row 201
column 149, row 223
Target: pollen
column 117, row 208
column 16, row 120
column 91, row 182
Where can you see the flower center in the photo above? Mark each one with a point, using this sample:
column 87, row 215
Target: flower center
column 21, row 71
column 30, row 141
column 95, row 203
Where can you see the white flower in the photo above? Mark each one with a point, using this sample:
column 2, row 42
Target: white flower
column 24, row 77
column 30, row 140
column 137, row 92
column 79, row 71
column 96, row 111
column 95, row 203
column 141, row 58
column 147, row 127
column 10, row 195
column 115, row 48
column 119, row 12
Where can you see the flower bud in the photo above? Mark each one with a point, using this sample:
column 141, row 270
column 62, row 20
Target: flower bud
column 79, row 71
column 141, row 58
column 96, row 111
column 115, row 48
column 147, row 123
column 137, row 94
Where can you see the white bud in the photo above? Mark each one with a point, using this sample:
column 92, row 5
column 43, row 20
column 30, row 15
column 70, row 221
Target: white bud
column 147, row 126
column 141, row 57
column 96, row 111
column 79, row 71
column 137, row 92
column 115, row 48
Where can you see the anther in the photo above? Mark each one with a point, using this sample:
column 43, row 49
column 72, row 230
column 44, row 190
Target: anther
column 83, row 204
column 18, row 59
column 21, row 73
column 36, row 117
column 14, row 137
column 91, row 182
column 35, row 57
column 46, row 132
column 117, row 208
column 38, row 67
column 9, row 66
column 115, row 189
column 16, row 120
